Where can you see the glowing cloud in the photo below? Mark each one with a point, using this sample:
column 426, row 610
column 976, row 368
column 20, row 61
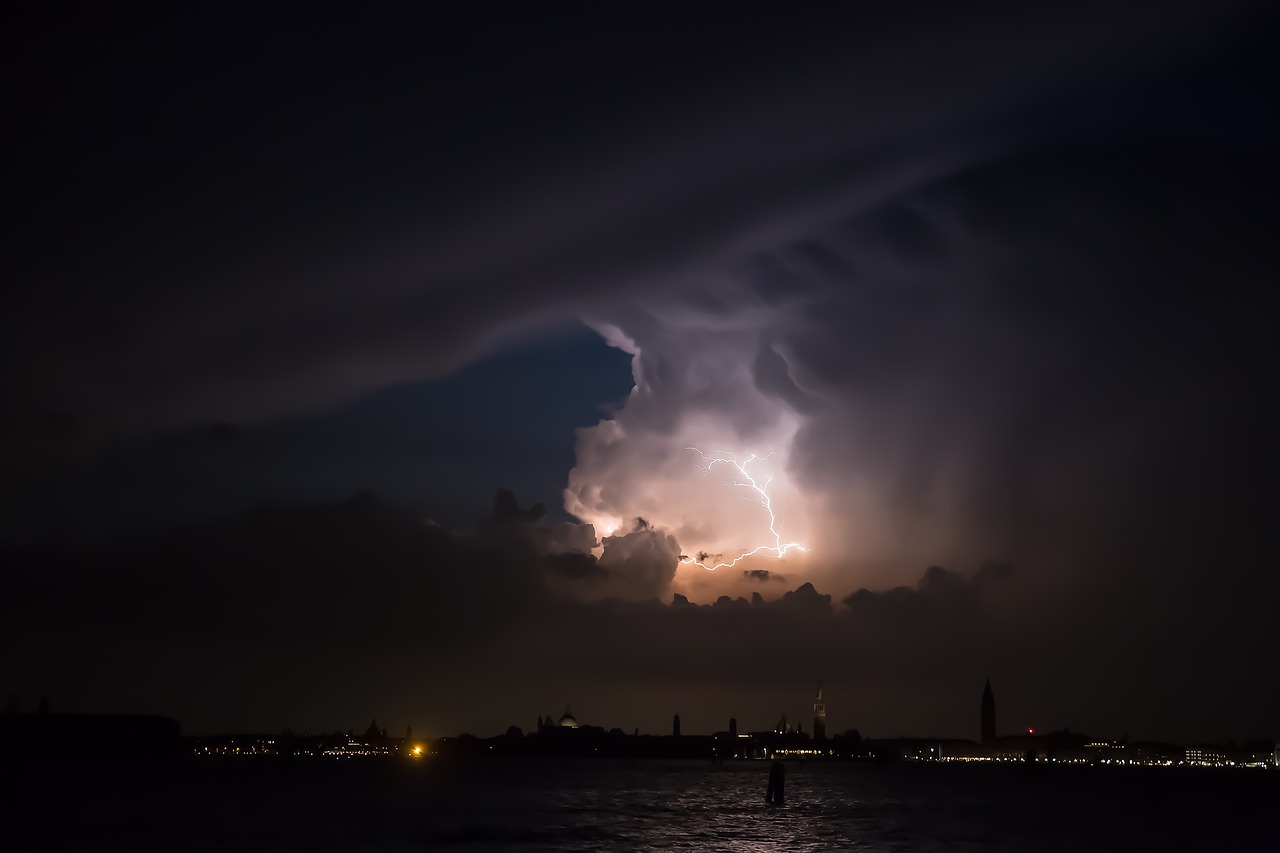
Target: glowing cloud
column 759, row 494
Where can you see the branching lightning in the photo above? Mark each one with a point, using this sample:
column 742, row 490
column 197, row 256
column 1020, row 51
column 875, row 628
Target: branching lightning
column 759, row 493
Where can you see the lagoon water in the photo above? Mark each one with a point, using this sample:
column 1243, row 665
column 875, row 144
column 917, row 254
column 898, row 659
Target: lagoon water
column 286, row 805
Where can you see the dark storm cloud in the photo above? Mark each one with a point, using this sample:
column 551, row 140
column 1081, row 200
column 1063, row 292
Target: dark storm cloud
column 918, row 609
column 1008, row 272
column 577, row 566
column 302, row 261
column 319, row 617
column 1071, row 352
column 644, row 559
column 843, row 203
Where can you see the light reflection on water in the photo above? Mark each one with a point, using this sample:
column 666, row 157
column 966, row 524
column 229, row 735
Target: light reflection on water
column 600, row 805
column 858, row 807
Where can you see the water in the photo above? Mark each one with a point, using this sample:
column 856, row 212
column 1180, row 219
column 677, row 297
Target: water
column 488, row 806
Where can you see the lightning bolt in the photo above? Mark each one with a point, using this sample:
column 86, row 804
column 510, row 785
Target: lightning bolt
column 759, row 494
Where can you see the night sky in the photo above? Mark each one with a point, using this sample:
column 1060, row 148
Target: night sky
column 288, row 298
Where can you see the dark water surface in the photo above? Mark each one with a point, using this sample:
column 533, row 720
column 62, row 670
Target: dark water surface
column 403, row 806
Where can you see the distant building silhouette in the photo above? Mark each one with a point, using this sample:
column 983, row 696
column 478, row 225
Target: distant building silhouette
column 988, row 716
column 819, row 716
column 675, row 726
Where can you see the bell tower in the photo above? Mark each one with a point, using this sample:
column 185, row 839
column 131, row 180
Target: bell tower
column 988, row 715
column 819, row 716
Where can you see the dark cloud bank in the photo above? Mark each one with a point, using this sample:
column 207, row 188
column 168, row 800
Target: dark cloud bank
column 318, row 617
